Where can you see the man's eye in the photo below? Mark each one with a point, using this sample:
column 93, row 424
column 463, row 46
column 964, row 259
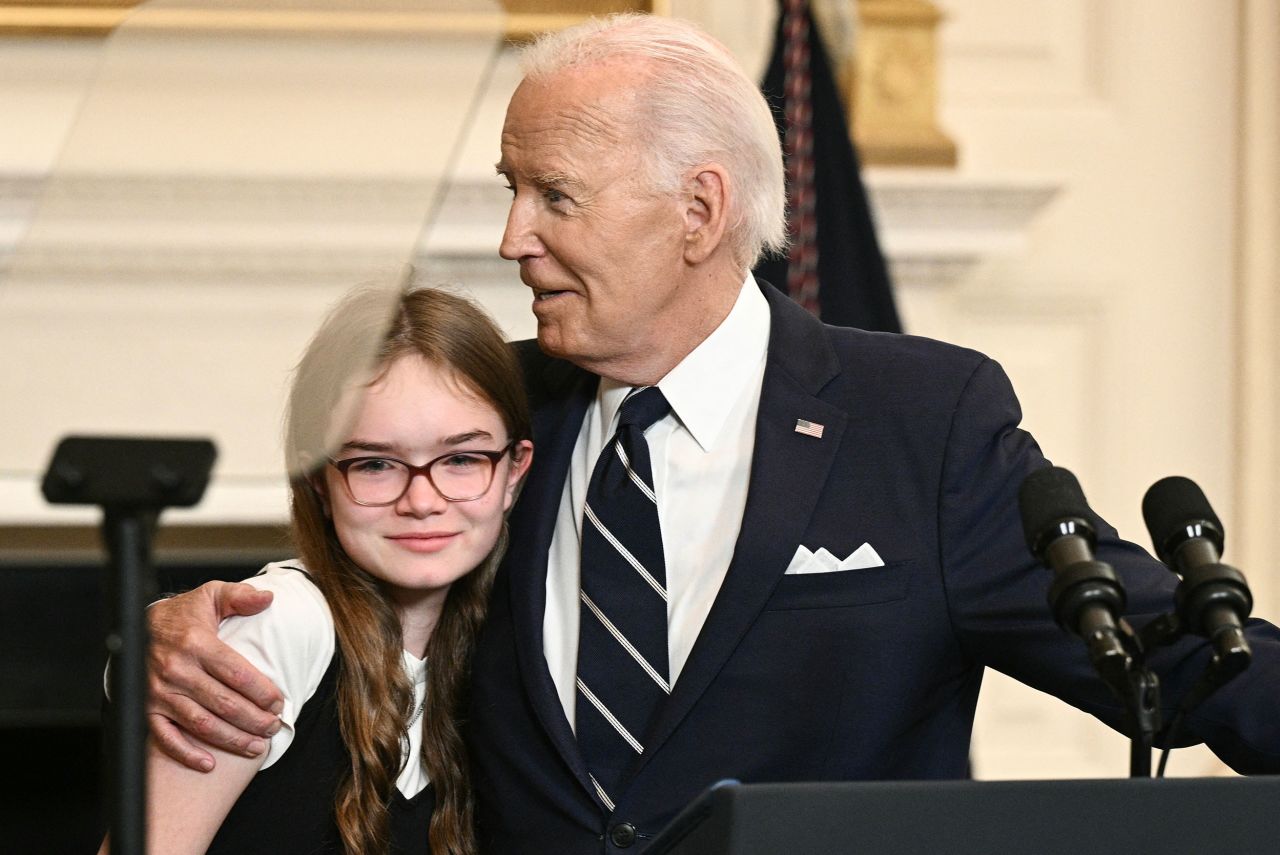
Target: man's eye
column 553, row 196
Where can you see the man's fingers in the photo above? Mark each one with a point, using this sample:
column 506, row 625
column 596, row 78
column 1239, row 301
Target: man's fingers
column 169, row 740
column 240, row 599
column 188, row 658
column 209, row 709
column 200, row 723
column 202, row 691
column 182, row 690
column 235, row 672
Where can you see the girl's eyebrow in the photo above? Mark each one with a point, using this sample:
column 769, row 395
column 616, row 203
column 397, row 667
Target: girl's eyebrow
column 367, row 445
column 389, row 448
column 466, row 436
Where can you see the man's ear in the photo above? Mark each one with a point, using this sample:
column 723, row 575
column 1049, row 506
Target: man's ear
column 707, row 196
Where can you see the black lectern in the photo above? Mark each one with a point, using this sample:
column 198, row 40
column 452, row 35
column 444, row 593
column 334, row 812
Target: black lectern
column 1183, row 816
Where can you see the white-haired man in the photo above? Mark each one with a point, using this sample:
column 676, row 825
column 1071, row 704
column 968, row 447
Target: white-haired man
column 647, row 178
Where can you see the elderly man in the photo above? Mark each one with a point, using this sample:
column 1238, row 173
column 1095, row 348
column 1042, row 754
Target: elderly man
column 658, row 624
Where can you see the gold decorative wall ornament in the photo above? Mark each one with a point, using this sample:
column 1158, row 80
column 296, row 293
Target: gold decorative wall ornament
column 524, row 18
column 891, row 89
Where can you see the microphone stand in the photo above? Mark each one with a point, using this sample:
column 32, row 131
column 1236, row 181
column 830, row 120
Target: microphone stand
column 1086, row 597
column 1142, row 708
column 1118, row 655
column 1225, row 665
column 130, row 586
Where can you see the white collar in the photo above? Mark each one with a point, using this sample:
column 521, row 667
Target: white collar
column 416, row 668
column 707, row 383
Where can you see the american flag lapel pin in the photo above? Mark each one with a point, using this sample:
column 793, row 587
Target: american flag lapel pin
column 809, row 428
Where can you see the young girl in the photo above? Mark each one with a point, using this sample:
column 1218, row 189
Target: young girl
column 401, row 479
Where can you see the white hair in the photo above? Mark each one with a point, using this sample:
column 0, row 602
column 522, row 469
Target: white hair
column 697, row 106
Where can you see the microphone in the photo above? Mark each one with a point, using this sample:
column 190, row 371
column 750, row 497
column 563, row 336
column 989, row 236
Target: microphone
column 1213, row 599
column 1086, row 597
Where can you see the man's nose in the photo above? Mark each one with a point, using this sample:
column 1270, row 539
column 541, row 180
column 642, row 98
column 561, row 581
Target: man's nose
column 519, row 240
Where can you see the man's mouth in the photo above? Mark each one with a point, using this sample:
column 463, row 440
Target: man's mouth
column 539, row 296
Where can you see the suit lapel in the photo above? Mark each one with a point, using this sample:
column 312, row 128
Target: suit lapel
column 560, row 395
column 788, row 470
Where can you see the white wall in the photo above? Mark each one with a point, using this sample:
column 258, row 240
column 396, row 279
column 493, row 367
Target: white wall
column 1117, row 325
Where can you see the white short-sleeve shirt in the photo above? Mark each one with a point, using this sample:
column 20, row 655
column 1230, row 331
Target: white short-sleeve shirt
column 292, row 643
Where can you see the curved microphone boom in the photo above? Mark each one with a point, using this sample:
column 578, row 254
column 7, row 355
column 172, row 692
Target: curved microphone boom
column 1213, row 599
column 1086, row 597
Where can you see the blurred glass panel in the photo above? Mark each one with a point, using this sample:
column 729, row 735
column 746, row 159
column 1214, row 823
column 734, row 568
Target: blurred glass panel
column 232, row 170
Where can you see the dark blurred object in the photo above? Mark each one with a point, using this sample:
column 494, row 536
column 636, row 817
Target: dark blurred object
column 50, row 799
column 52, row 621
column 51, row 654
column 132, row 479
column 129, row 472
column 854, row 289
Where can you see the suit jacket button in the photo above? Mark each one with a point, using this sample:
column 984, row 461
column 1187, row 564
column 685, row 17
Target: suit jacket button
column 623, row 835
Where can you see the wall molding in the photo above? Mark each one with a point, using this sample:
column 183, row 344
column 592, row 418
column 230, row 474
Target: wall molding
column 132, row 233
column 933, row 226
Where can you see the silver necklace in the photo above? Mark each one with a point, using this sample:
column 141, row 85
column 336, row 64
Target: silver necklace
column 417, row 714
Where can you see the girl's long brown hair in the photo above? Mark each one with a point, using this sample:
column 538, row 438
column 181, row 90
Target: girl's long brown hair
column 359, row 339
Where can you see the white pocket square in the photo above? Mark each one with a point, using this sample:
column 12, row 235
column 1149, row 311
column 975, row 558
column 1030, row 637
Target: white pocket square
column 823, row 561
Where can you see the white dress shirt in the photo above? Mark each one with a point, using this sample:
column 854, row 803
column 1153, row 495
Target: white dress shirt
column 701, row 455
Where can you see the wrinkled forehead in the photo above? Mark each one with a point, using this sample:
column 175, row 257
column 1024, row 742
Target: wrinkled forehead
column 582, row 107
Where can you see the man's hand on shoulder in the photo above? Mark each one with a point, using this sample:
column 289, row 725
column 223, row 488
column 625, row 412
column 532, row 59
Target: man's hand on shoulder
column 200, row 687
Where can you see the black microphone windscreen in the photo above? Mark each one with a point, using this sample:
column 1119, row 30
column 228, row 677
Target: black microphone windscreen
column 1169, row 507
column 1047, row 497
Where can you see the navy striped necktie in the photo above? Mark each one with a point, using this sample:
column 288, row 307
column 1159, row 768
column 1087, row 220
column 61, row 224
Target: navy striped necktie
column 622, row 645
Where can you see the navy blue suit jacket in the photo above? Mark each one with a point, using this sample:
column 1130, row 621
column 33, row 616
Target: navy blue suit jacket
column 867, row 674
